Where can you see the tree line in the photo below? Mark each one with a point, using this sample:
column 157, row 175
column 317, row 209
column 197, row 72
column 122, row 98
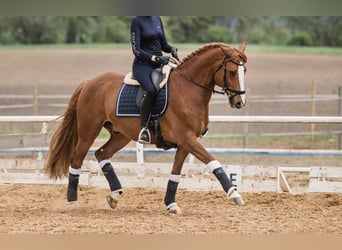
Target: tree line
column 271, row 30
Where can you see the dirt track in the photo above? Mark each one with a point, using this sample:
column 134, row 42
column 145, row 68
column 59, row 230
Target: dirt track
column 39, row 209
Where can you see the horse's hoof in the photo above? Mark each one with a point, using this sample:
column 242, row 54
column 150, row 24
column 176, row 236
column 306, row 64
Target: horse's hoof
column 112, row 202
column 235, row 197
column 113, row 198
column 71, row 205
column 174, row 210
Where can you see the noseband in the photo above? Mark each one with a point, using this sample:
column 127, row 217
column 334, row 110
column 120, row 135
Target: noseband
column 230, row 92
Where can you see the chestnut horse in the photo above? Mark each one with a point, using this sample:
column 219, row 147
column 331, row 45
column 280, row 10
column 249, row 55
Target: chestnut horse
column 191, row 85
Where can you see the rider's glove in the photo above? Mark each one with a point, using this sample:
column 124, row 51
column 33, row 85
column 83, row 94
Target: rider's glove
column 162, row 60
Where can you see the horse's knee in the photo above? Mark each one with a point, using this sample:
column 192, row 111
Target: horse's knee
column 99, row 154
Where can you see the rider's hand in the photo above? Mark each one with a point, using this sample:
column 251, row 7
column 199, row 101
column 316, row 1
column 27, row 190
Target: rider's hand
column 162, row 59
column 174, row 53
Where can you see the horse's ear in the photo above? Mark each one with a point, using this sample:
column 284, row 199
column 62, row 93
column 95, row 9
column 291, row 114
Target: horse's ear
column 242, row 46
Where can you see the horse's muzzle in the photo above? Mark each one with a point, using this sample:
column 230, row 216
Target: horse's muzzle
column 236, row 102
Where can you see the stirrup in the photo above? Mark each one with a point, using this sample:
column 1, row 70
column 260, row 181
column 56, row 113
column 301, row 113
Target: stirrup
column 144, row 136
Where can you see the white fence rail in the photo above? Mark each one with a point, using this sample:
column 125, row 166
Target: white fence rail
column 195, row 176
column 252, row 178
column 28, row 118
column 276, row 119
column 216, row 119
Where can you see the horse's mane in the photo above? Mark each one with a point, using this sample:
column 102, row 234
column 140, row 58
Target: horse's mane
column 209, row 46
column 201, row 50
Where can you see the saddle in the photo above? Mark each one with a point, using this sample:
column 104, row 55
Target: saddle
column 159, row 77
column 131, row 89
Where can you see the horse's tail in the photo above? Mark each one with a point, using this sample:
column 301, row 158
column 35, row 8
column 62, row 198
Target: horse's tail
column 64, row 140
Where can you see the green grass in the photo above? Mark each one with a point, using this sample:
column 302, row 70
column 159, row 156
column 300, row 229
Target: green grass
column 66, row 46
column 295, row 49
column 103, row 134
column 188, row 47
column 299, row 138
column 278, row 49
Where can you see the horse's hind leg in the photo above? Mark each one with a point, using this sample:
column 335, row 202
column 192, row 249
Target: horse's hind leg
column 86, row 137
column 103, row 155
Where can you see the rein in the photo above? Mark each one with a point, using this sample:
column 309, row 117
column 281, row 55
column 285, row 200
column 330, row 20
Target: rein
column 198, row 84
column 226, row 89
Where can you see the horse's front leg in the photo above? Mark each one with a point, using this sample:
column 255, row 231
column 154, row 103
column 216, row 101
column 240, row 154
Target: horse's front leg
column 174, row 178
column 191, row 144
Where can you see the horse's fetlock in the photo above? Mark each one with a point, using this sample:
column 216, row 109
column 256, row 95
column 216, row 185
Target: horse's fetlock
column 113, row 180
column 72, row 187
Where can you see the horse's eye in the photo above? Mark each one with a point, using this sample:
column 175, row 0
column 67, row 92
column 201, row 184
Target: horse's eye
column 232, row 73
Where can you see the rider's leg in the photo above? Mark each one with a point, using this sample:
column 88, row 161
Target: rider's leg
column 143, row 76
column 145, row 114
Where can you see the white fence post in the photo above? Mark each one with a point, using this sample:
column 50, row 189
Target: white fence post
column 140, row 159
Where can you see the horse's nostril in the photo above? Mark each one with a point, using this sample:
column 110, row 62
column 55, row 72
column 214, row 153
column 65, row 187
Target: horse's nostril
column 238, row 105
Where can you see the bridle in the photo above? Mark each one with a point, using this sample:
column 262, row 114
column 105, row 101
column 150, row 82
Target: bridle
column 230, row 92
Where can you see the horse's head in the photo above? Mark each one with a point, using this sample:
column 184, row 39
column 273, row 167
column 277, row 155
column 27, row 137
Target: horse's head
column 230, row 74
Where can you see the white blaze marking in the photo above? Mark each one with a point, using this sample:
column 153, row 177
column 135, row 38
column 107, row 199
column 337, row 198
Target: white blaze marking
column 241, row 74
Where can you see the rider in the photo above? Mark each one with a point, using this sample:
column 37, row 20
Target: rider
column 148, row 42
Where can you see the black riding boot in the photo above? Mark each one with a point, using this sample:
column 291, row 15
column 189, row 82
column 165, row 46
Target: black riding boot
column 145, row 114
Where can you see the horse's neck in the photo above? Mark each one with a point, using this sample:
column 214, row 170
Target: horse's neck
column 197, row 78
column 200, row 69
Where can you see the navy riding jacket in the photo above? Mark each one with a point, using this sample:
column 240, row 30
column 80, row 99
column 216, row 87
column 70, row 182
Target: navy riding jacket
column 148, row 38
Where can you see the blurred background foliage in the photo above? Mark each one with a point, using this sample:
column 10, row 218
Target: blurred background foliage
column 268, row 30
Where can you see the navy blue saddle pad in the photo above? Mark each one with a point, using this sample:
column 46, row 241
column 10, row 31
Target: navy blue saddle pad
column 126, row 104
